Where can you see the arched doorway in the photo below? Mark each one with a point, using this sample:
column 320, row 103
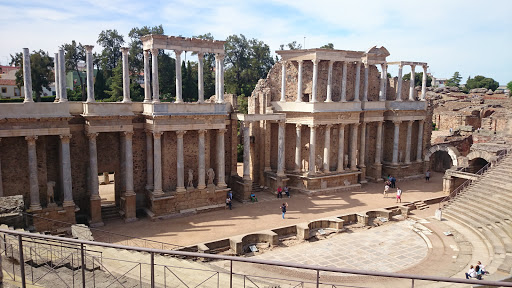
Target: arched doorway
column 440, row 161
column 476, row 164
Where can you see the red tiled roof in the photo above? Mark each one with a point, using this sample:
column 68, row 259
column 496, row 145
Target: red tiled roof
column 8, row 82
column 6, row 69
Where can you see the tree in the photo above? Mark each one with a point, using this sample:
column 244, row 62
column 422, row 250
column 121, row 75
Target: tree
column 100, row 86
column 292, row 46
column 328, row 46
column 509, row 86
column 190, row 93
column 455, row 80
column 418, row 79
column 116, row 85
column 136, row 56
column 136, row 91
column 74, row 55
column 208, row 68
column 111, row 41
column 482, row 82
column 167, row 77
column 41, row 65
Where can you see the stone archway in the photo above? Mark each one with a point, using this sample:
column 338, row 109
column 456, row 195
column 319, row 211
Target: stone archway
column 451, row 150
column 489, row 157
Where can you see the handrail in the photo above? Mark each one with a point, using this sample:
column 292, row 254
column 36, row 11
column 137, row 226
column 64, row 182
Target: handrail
column 265, row 262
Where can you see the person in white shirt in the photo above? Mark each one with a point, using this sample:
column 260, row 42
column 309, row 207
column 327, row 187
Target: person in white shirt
column 398, row 195
column 386, row 189
column 471, row 272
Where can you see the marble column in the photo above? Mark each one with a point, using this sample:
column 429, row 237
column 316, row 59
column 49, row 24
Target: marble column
column 217, row 75
column 411, row 84
column 281, row 148
column 180, row 169
column 327, row 148
column 298, row 147
column 362, row 145
column 247, row 150
column 89, row 59
column 200, row 82
column 128, row 163
column 1, row 183
column 344, row 83
column 179, row 88
column 283, row 81
column 408, row 143
column 312, row 147
column 27, row 76
column 358, row 80
column 221, row 182
column 35, row 203
column 399, row 85
column 383, row 80
column 147, row 78
column 221, row 80
column 66, row 171
column 365, row 88
column 315, row 80
column 353, row 147
column 62, row 77
column 201, row 183
column 56, row 76
column 126, row 76
column 157, row 163
column 149, row 160
column 329, row 82
column 396, row 138
column 299, row 82
column 154, row 73
column 93, row 166
column 341, row 147
column 378, row 144
column 424, row 83
column 419, row 151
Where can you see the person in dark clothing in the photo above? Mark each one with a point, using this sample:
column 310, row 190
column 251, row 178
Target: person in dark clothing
column 283, row 208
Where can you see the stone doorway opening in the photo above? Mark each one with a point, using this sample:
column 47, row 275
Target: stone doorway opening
column 109, row 199
column 440, row 161
column 476, row 164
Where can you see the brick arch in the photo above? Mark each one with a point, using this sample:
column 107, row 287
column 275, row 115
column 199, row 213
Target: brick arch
column 451, row 150
column 489, row 157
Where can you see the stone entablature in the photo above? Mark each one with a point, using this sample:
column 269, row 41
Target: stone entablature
column 182, row 43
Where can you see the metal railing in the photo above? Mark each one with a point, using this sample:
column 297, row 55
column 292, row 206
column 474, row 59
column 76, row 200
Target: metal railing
column 243, row 279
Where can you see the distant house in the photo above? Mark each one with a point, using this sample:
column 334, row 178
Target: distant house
column 8, row 88
column 439, row 82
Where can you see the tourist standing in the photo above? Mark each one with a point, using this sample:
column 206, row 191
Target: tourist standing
column 228, row 203
column 427, row 176
column 283, row 208
column 230, row 195
column 279, row 192
column 393, row 182
column 286, row 191
column 398, row 195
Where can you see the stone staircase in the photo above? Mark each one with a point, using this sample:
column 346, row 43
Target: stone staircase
column 484, row 210
column 110, row 211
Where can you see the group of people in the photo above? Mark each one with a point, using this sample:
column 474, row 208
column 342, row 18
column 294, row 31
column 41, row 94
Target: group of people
column 476, row 271
column 281, row 190
column 391, row 183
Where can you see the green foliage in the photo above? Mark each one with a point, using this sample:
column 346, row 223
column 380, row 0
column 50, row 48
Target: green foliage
column 292, row 46
column 116, row 86
column 167, row 76
column 136, row 56
column 239, row 153
column 41, row 65
column 136, row 91
column 208, row 69
column 481, row 82
column 454, row 81
column 12, row 100
column 111, row 41
column 100, row 86
column 242, row 104
column 75, row 54
column 328, row 46
column 190, row 92
column 418, row 79
column 75, row 94
column 509, row 87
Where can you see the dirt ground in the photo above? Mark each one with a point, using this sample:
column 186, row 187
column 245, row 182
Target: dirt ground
column 266, row 214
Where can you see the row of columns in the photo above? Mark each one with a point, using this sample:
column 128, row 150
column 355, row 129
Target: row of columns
column 154, row 163
column 411, row 83
column 396, row 138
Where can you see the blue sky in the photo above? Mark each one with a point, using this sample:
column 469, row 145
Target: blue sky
column 472, row 37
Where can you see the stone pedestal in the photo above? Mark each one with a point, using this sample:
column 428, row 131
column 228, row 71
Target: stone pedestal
column 62, row 215
column 448, row 184
column 377, row 172
column 128, row 207
column 96, row 220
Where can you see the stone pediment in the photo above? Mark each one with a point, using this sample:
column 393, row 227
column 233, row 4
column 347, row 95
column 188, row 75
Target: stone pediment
column 382, row 51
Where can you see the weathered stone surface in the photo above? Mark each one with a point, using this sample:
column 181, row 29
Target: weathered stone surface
column 478, row 90
column 489, row 92
column 12, row 204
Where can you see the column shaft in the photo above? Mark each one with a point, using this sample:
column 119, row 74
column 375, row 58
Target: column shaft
column 62, row 78
column 247, row 150
column 362, row 145
column 221, row 154
column 179, row 88
column 298, row 147
column 126, row 76
column 299, row 82
column 396, row 138
column 128, row 160
column 147, row 78
column 424, row 83
column 383, row 80
column 327, row 148
column 149, row 160
column 329, row 82
column 1, row 183
column 315, row 80
column 399, row 85
column 93, row 166
column 221, row 80
column 157, row 162
column 89, row 59
column 341, row 147
column 358, row 80
column 27, row 76
column 283, row 81
column 408, row 143
column 312, row 147
column 365, row 88
column 419, row 152
column 56, row 76
column 353, row 147
column 35, row 203
column 201, row 159
column 217, row 76
column 66, row 170
column 378, row 143
column 280, row 148
column 344, row 83
column 411, row 84
column 180, row 171
column 200, row 82
column 154, row 73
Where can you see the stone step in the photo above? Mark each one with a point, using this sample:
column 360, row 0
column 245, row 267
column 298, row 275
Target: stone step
column 494, row 208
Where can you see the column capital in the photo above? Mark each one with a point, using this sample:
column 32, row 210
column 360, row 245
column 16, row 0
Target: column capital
column 178, row 52
column 356, row 124
column 128, row 134
column 148, row 132
column 219, row 56
column 222, row 130
column 366, row 64
column 200, row 55
column 422, row 121
column 281, row 123
column 146, row 52
column 331, row 62
column 409, row 123
column 157, row 134
column 424, row 66
column 201, row 131
column 65, row 138
column 154, row 51
column 342, row 125
column 300, row 62
column 298, row 126
column 315, row 61
column 328, row 126
column 246, row 124
column 92, row 136
column 397, row 122
column 125, row 50
column 88, row 48
column 31, row 139
column 283, row 62
column 180, row 133
column 413, row 66
column 400, row 66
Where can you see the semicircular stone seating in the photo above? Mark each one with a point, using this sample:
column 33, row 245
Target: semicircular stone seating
column 485, row 207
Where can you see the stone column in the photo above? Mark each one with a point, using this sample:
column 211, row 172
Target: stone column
column 154, row 72
column 126, row 76
column 399, row 85
column 35, row 203
column 408, row 143
column 62, row 77
column 329, row 82
column 327, row 148
column 396, row 138
column 283, row 81
column 179, row 88
column 149, row 160
column 128, row 163
column 419, row 152
column 93, row 166
column 220, row 99
column 312, row 147
column 147, row 78
column 66, row 171
column 378, row 143
column 365, row 88
column 90, row 73
column 315, row 80
column 247, row 150
column 298, row 147
column 217, row 75
column 299, row 82
column 157, row 163
column 281, row 148
column 27, row 76
column 56, row 76
column 424, row 83
column 180, row 171
column 411, row 84
column 1, row 183
column 200, row 82
column 344, row 83
column 358, row 80
column 362, row 144
column 341, row 147
column 201, row 159
column 383, row 79
column 221, row 182
column 353, row 147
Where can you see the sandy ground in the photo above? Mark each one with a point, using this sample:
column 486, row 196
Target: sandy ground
column 251, row 217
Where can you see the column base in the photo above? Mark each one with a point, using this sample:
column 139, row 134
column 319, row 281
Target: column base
column 95, row 209
column 128, row 206
column 222, row 185
column 201, row 186
column 147, row 101
column 247, row 177
column 157, row 193
column 156, row 101
column 149, row 187
column 35, row 207
column 95, row 197
column 281, row 174
column 181, row 189
column 178, row 101
column 63, row 100
column 398, row 100
column 127, row 101
column 69, row 203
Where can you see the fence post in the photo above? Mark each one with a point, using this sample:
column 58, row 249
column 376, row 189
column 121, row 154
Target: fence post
column 317, row 278
column 82, row 254
column 22, row 261
column 230, row 273
column 152, row 270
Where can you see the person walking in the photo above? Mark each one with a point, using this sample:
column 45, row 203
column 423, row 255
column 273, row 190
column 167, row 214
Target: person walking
column 228, row 203
column 386, row 189
column 393, row 182
column 283, row 208
column 398, row 195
